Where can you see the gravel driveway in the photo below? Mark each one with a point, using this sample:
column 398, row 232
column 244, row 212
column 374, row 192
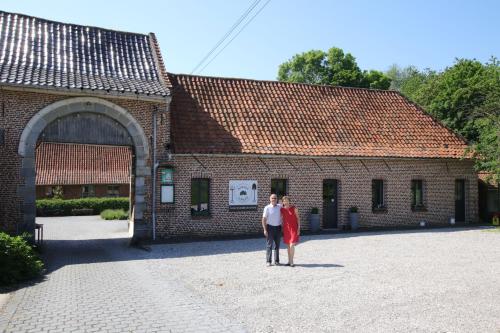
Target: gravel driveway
column 445, row 280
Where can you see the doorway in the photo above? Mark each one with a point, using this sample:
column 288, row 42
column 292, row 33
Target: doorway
column 330, row 203
column 460, row 200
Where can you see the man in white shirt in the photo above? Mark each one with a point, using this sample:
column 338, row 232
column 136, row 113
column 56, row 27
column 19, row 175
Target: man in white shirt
column 271, row 223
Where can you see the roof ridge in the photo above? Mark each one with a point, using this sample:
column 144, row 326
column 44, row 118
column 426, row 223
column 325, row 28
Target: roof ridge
column 282, row 82
column 72, row 24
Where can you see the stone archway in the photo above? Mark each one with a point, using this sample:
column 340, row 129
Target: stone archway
column 50, row 113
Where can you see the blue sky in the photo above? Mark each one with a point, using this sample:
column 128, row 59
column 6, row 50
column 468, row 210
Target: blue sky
column 378, row 33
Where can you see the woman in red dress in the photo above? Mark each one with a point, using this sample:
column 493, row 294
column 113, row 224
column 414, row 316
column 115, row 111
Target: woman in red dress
column 291, row 228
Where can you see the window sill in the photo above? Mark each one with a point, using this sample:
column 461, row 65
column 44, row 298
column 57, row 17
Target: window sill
column 419, row 208
column 379, row 210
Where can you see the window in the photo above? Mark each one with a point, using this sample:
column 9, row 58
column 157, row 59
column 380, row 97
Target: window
column 113, row 191
column 167, row 185
column 378, row 203
column 88, row 191
column 279, row 187
column 200, row 197
column 493, row 200
column 417, row 194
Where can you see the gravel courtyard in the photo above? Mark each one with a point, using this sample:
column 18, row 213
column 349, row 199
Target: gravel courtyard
column 444, row 280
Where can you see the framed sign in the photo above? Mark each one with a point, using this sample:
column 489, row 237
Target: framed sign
column 242, row 194
column 167, row 194
column 167, row 176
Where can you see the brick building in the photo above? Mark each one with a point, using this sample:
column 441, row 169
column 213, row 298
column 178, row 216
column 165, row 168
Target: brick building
column 82, row 171
column 218, row 147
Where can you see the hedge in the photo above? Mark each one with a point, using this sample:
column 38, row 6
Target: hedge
column 62, row 207
column 18, row 260
column 114, row 214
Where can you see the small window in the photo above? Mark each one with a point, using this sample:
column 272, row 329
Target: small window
column 167, row 185
column 113, row 191
column 200, row 197
column 88, row 191
column 378, row 202
column 279, row 187
column 417, row 194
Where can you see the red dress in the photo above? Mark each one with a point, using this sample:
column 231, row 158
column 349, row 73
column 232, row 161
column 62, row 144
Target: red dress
column 290, row 225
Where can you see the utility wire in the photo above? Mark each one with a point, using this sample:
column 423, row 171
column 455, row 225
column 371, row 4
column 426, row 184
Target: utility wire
column 226, row 35
column 242, row 28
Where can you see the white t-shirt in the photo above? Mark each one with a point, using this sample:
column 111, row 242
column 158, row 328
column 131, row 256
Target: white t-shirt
column 272, row 214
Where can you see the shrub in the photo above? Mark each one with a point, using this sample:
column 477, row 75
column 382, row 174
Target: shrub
column 60, row 207
column 315, row 210
column 353, row 209
column 114, row 214
column 18, row 260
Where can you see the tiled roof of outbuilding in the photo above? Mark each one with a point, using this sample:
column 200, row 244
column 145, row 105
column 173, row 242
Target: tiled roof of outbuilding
column 39, row 53
column 79, row 164
column 231, row 116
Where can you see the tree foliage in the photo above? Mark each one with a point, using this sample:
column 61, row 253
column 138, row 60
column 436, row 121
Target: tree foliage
column 330, row 68
column 465, row 97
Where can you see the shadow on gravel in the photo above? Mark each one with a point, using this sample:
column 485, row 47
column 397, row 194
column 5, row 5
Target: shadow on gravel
column 59, row 253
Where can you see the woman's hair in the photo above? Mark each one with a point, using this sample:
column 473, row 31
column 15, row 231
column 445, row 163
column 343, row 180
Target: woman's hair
column 285, row 198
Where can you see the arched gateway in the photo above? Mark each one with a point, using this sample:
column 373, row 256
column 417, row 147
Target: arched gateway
column 68, row 107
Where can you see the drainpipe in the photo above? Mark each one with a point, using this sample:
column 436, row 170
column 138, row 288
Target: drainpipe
column 153, row 177
column 168, row 99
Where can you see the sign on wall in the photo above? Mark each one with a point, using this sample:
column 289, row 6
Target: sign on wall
column 242, row 194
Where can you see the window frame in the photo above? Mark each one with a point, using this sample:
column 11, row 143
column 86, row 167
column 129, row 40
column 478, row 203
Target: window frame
column 285, row 187
column 379, row 207
column 167, row 183
column 90, row 186
column 117, row 191
column 414, row 205
column 200, row 213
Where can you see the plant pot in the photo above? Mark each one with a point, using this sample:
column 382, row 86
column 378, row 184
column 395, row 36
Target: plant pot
column 353, row 220
column 314, row 222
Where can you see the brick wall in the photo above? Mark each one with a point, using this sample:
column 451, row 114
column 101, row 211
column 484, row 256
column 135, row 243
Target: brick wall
column 17, row 108
column 305, row 179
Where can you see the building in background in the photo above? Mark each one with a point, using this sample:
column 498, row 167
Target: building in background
column 82, row 171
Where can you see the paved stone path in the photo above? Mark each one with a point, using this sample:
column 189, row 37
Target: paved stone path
column 101, row 285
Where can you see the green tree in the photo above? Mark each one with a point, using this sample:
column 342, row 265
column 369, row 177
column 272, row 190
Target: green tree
column 465, row 97
column 332, row 68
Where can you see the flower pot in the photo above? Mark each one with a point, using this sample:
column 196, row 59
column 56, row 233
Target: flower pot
column 353, row 220
column 314, row 222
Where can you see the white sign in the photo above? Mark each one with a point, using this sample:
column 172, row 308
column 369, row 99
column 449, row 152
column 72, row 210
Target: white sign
column 242, row 193
column 167, row 194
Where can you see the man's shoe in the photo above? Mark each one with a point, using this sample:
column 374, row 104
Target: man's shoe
column 268, row 264
column 277, row 264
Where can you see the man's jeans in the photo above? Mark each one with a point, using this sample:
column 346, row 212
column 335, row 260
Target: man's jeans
column 273, row 236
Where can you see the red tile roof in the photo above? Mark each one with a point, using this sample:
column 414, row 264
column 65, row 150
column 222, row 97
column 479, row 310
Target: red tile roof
column 76, row 164
column 223, row 115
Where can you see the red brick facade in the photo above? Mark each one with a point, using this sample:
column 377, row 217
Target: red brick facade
column 18, row 107
column 305, row 177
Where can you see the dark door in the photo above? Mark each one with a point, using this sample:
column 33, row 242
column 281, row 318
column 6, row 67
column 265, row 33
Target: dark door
column 330, row 203
column 460, row 200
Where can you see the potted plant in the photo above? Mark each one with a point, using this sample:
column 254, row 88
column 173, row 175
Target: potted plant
column 353, row 217
column 314, row 219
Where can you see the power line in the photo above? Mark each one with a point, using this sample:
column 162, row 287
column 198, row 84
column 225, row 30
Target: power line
column 229, row 32
column 242, row 28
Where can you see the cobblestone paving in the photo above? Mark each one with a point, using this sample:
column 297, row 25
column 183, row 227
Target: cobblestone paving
column 101, row 285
